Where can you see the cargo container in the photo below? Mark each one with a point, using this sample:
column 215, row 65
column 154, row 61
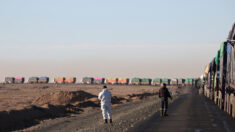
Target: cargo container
column 189, row 81
column 111, row 80
column 33, row 80
column 43, row 80
column 135, row 81
column 174, row 82
column 197, row 82
column 59, row 80
column 87, row 80
column 157, row 81
column 230, row 72
column 181, row 82
column 166, row 81
column 70, row 80
column 146, row 81
column 123, row 81
column 9, row 80
column 209, row 80
column 99, row 80
column 19, row 79
column 229, row 99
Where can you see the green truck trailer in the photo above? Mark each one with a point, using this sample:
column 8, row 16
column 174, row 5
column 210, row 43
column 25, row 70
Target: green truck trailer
column 135, row 81
column 157, row 81
column 166, row 81
column 189, row 81
column 146, row 81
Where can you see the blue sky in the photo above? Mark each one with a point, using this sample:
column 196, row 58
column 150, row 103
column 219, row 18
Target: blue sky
column 77, row 32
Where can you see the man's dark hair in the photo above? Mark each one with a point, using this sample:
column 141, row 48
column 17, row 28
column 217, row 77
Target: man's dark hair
column 105, row 86
column 164, row 85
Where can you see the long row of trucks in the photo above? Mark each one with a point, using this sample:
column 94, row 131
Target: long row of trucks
column 101, row 80
column 218, row 80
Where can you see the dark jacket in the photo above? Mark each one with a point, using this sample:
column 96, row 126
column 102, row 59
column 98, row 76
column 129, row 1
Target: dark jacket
column 163, row 92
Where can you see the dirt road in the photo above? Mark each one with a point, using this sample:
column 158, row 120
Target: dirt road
column 190, row 113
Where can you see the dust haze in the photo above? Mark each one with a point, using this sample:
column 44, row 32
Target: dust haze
column 107, row 60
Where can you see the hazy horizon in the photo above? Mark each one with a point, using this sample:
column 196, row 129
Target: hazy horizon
column 117, row 61
column 111, row 38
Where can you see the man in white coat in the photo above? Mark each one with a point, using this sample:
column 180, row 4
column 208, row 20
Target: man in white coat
column 105, row 99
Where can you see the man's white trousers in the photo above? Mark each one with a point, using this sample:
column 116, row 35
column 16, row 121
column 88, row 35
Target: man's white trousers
column 106, row 111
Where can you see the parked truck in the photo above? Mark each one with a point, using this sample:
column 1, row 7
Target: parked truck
column 9, row 80
column 99, row 80
column 87, row 80
column 123, row 81
column 33, row 80
column 135, row 81
column 70, row 80
column 43, row 80
column 59, row 80
column 174, row 82
column 19, row 80
column 111, row 80
column 157, row 81
column 189, row 81
column 181, row 82
column 166, row 81
column 146, row 81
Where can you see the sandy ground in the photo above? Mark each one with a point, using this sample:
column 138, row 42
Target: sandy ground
column 26, row 105
column 125, row 116
column 20, row 96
